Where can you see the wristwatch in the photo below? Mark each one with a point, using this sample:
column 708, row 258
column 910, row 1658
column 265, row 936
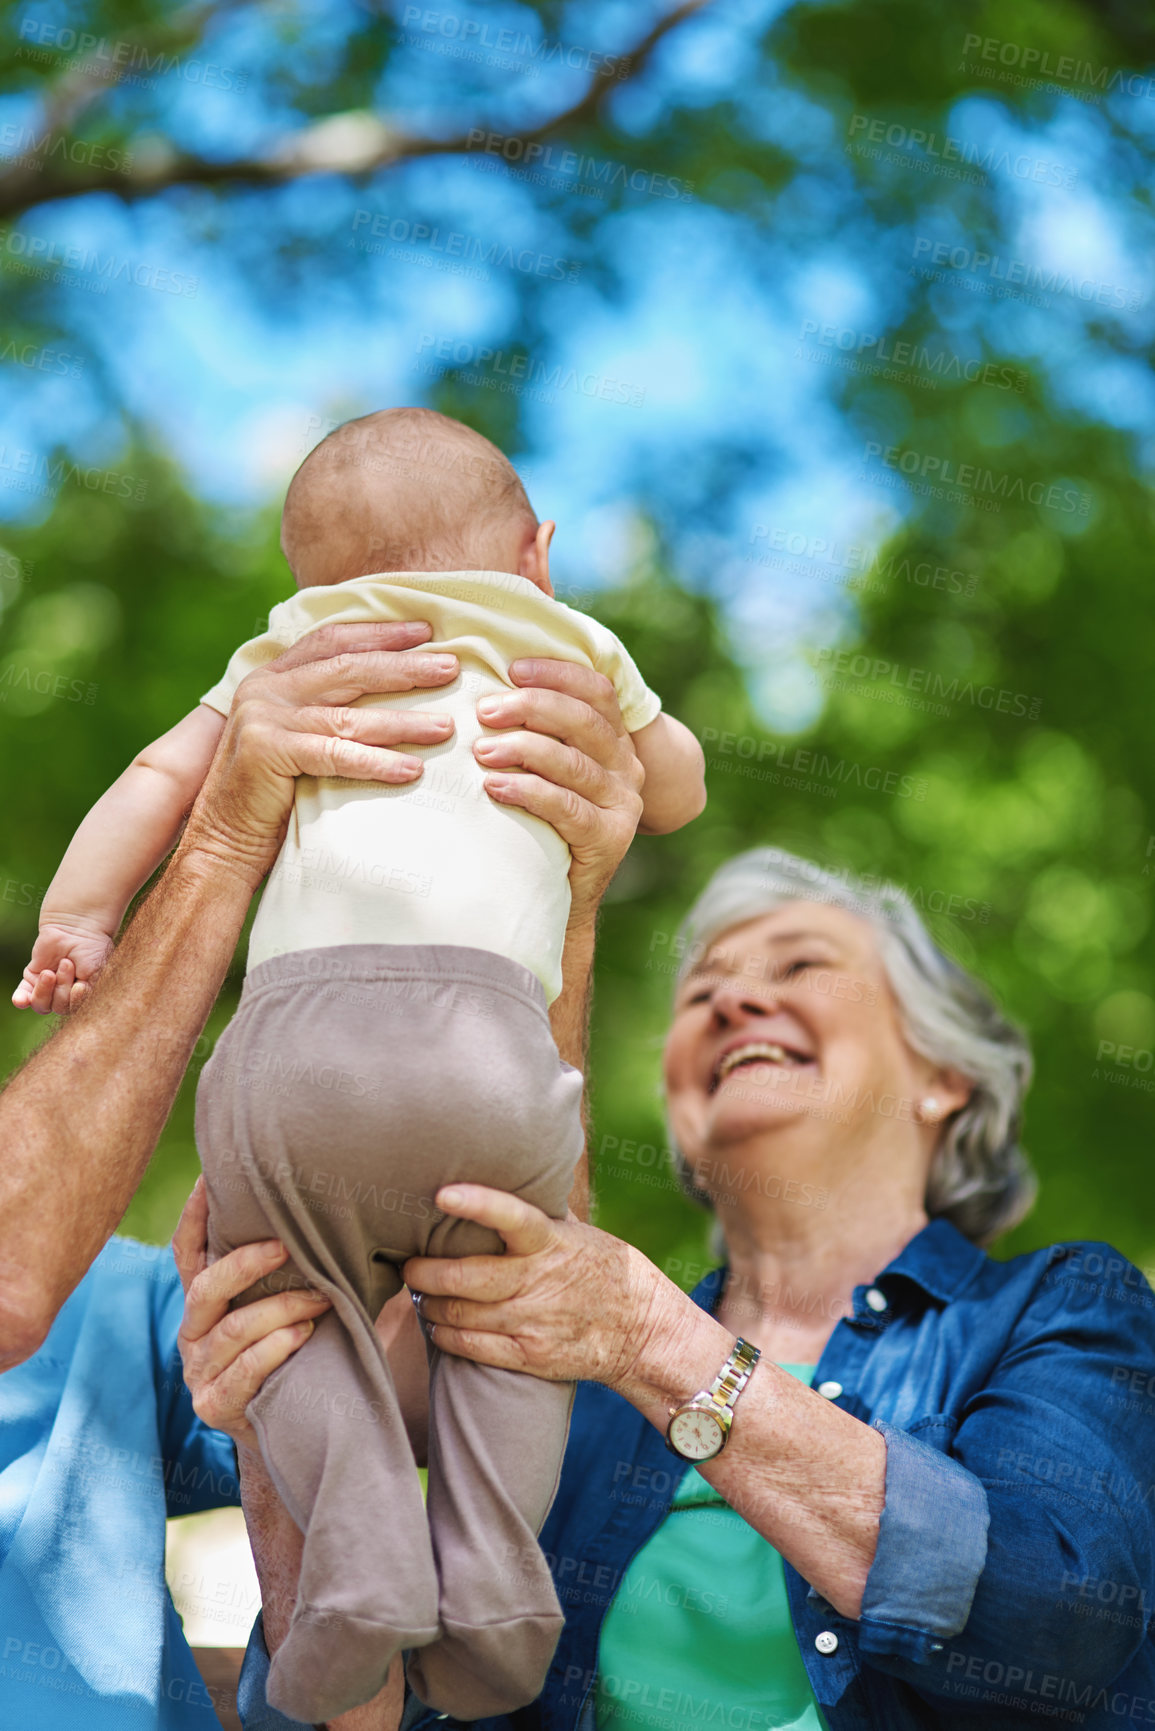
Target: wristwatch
column 698, row 1430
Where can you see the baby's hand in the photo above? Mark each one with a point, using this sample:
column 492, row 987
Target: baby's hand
column 64, row 960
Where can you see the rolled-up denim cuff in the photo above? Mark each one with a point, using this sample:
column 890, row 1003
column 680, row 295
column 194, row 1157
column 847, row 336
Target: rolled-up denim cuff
column 255, row 1712
column 932, row 1546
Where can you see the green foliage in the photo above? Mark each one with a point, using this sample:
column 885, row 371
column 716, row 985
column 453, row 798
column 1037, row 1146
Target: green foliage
column 125, row 617
column 1037, row 829
column 1024, row 843
column 982, row 712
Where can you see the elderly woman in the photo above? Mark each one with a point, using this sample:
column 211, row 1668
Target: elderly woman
column 864, row 1475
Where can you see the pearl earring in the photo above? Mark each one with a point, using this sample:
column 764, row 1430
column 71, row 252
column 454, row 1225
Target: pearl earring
column 928, row 1110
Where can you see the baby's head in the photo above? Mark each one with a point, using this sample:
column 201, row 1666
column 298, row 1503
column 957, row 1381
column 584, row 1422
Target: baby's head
column 409, row 490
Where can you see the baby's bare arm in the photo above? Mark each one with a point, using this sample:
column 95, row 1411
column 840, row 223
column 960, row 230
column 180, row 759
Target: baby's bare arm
column 675, row 790
column 132, row 827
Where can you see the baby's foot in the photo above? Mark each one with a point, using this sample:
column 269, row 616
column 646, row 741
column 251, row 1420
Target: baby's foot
column 479, row 1672
column 330, row 1662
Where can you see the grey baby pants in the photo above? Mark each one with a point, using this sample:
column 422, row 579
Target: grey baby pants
column 350, row 1086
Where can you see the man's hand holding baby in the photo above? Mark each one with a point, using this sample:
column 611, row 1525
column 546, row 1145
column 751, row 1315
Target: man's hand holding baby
column 292, row 718
column 579, row 770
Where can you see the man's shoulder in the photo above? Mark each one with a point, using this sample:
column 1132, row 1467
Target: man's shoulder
column 131, row 1279
column 122, row 1317
column 132, row 1259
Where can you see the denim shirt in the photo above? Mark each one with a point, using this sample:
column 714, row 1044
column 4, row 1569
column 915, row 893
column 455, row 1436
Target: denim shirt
column 1014, row 1577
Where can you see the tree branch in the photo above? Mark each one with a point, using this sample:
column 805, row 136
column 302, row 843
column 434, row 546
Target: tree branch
column 64, row 100
column 354, row 144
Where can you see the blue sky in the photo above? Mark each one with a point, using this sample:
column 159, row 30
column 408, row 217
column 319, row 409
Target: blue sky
column 710, row 332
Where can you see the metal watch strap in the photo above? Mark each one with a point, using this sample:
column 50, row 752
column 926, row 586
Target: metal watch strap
column 717, row 1400
column 734, row 1375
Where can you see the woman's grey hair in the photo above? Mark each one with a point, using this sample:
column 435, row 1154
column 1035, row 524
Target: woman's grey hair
column 980, row 1178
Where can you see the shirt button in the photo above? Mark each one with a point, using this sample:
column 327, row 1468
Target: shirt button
column 827, row 1642
column 830, row 1390
column 876, row 1299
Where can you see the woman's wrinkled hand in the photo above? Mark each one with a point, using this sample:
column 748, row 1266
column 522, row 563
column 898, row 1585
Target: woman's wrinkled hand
column 227, row 1354
column 566, row 1302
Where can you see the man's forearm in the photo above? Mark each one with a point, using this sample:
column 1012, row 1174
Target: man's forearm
column 79, row 1123
column 276, row 1543
column 570, row 1019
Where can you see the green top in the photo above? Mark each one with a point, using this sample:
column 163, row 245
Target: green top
column 700, row 1626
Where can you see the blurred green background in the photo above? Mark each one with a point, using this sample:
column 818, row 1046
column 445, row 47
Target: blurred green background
column 894, row 440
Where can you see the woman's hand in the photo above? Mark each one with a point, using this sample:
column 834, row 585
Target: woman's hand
column 581, row 772
column 227, row 1354
column 566, row 1302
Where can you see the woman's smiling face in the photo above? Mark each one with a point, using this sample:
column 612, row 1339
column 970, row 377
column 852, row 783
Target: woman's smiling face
column 786, row 1018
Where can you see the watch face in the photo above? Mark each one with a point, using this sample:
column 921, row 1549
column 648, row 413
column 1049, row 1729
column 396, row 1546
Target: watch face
column 696, row 1435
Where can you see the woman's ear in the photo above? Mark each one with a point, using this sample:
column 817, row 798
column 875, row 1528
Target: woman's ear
column 946, row 1091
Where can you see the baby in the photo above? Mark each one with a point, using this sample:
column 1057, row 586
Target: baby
column 392, row 1037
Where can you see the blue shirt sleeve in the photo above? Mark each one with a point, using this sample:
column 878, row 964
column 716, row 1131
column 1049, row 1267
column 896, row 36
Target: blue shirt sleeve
column 932, row 1548
column 993, row 1530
